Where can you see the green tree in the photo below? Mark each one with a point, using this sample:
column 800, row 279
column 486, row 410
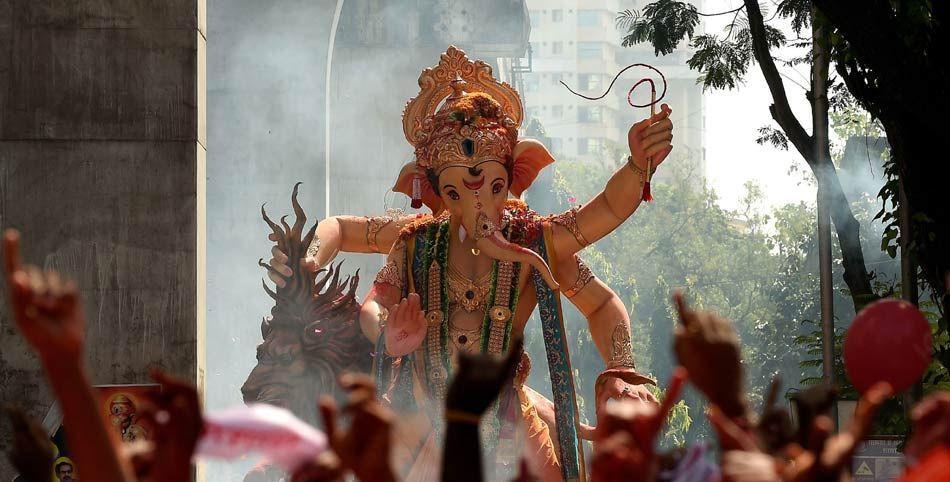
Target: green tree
column 724, row 60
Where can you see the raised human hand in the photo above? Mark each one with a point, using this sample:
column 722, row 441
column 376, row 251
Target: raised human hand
column 774, row 427
column 405, row 326
column 625, row 437
column 651, row 139
column 827, row 455
column 45, row 307
column 325, row 468
column 931, row 419
column 175, row 417
column 480, row 379
column 708, row 347
column 366, row 446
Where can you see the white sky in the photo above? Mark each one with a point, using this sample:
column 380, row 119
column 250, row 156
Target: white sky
column 732, row 121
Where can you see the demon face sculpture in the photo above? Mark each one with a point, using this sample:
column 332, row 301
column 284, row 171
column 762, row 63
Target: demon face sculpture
column 312, row 334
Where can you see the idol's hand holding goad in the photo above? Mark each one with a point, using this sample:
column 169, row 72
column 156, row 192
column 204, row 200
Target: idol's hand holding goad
column 650, row 140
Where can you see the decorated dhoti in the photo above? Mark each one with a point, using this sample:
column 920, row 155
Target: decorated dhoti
column 417, row 453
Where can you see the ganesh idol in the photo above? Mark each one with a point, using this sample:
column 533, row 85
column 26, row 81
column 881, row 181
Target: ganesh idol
column 467, row 276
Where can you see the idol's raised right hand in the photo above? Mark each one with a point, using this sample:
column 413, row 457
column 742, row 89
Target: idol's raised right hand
column 405, row 326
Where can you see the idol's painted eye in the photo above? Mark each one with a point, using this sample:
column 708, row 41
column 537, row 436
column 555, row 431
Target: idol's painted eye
column 453, row 195
column 497, row 187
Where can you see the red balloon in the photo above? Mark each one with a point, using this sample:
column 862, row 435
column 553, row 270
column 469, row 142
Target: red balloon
column 889, row 341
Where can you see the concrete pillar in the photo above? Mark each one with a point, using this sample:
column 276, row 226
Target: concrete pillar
column 102, row 168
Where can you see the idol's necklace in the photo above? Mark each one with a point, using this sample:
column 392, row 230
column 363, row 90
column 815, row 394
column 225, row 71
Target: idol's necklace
column 470, row 294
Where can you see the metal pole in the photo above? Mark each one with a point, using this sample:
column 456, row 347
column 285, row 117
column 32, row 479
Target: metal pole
column 820, row 129
column 908, row 281
column 326, row 120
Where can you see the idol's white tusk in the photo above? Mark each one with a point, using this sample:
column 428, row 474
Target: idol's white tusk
column 462, row 233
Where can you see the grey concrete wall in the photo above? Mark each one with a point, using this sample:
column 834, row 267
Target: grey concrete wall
column 102, row 169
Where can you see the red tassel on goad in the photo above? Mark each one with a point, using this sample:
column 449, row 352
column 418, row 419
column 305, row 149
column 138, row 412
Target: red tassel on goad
column 647, row 195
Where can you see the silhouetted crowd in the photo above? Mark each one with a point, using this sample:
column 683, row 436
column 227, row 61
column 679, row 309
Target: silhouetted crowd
column 752, row 447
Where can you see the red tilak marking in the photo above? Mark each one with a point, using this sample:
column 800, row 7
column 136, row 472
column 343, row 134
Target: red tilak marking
column 475, row 185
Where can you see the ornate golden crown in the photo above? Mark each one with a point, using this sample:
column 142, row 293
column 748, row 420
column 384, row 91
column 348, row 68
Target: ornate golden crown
column 462, row 115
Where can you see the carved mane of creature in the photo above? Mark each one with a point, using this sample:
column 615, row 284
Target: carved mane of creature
column 312, row 334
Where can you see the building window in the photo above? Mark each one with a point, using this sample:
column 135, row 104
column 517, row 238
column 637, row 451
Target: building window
column 590, row 82
column 557, row 48
column 532, row 113
column 556, row 78
column 531, row 83
column 557, row 110
column 589, row 50
column 588, row 18
column 557, row 15
column 589, row 114
column 590, row 145
column 557, row 144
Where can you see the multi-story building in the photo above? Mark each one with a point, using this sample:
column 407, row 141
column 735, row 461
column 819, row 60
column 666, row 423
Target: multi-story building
column 577, row 42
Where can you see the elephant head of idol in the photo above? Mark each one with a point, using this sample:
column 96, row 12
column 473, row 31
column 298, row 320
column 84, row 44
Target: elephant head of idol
column 464, row 127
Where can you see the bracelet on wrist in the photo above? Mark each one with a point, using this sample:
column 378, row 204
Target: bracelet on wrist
column 639, row 170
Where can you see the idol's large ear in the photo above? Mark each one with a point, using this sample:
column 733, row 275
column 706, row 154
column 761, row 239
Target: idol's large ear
column 404, row 185
column 530, row 156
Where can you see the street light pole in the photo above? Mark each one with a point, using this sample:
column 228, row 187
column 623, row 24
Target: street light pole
column 820, row 135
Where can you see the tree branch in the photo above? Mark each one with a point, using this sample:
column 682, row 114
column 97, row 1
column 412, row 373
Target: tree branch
column 780, row 109
column 701, row 14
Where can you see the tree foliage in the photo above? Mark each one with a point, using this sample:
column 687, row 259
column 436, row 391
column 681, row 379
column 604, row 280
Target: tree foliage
column 663, row 24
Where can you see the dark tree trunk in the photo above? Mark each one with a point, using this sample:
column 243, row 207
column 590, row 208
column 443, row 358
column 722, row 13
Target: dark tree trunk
column 846, row 226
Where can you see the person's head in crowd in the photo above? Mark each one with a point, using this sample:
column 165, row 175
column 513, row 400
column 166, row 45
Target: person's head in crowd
column 65, row 471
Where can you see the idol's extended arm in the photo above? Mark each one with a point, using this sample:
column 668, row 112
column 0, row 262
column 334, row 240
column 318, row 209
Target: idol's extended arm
column 605, row 312
column 575, row 229
column 361, row 234
column 349, row 234
column 609, row 326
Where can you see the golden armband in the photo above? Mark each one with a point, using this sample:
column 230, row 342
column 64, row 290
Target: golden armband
column 374, row 225
column 584, row 276
column 568, row 219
